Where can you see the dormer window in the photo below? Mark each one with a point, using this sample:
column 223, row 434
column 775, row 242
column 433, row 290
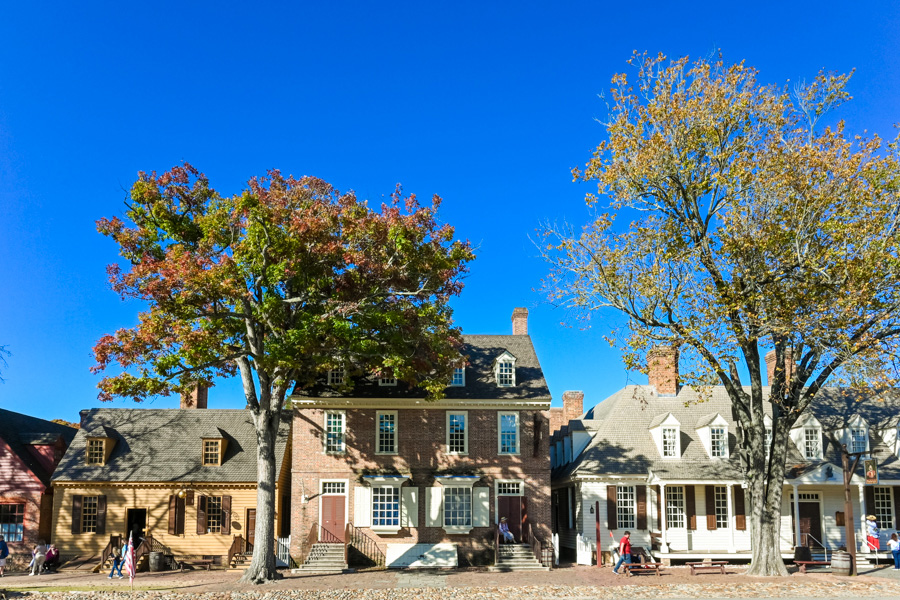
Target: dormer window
column 387, row 381
column 812, row 449
column 670, row 442
column 505, row 370
column 666, row 432
column 459, row 377
column 98, row 450
column 336, row 376
column 212, row 452
column 858, row 439
column 718, row 442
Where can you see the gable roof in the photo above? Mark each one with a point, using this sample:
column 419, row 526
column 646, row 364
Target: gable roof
column 19, row 431
column 481, row 352
column 165, row 445
column 624, row 446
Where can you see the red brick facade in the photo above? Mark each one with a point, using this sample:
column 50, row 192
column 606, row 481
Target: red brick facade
column 662, row 366
column 21, row 489
column 421, row 454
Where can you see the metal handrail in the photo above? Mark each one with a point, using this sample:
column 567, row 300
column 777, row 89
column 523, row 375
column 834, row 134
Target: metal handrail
column 364, row 544
column 538, row 547
column 809, row 536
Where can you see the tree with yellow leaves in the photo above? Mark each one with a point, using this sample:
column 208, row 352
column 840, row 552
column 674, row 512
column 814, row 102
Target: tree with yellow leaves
column 731, row 221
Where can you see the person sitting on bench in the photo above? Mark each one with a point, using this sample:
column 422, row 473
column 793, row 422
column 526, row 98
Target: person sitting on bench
column 507, row 535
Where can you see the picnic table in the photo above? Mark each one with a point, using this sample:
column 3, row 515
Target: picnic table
column 642, row 567
column 811, row 563
column 196, row 563
column 708, row 565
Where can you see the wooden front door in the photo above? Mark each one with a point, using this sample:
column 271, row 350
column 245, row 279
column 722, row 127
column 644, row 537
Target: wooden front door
column 251, row 525
column 511, row 508
column 333, row 519
column 810, row 524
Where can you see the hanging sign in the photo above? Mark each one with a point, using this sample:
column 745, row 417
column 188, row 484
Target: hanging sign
column 871, row 467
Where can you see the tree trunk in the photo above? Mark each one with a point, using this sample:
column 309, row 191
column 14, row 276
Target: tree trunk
column 765, row 521
column 262, row 566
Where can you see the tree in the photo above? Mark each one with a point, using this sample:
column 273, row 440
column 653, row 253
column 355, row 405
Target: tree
column 746, row 227
column 278, row 283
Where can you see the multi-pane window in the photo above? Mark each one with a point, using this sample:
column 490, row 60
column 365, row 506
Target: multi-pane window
column 883, row 508
column 387, row 432
column 459, row 377
column 333, row 487
column 505, row 373
column 509, row 488
column 95, row 452
column 334, row 432
column 387, row 381
column 210, row 452
column 509, row 433
column 214, row 514
column 718, row 442
column 336, row 376
column 89, row 514
column 625, row 506
column 12, row 522
column 811, row 442
column 675, row 507
column 768, row 441
column 457, row 442
column 721, row 499
column 386, row 506
column 857, row 439
column 457, row 507
column 670, row 442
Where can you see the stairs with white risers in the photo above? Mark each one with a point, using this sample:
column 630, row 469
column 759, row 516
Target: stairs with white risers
column 324, row 558
column 517, row 557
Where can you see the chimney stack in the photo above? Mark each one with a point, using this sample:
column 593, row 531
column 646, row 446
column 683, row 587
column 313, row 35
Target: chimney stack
column 520, row 321
column 573, row 405
column 662, row 370
column 788, row 365
column 196, row 398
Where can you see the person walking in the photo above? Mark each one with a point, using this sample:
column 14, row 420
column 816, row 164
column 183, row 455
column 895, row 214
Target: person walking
column 4, row 552
column 39, row 556
column 624, row 551
column 894, row 545
column 117, row 563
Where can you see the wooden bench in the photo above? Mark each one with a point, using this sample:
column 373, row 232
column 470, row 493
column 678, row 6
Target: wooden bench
column 711, row 565
column 644, row 567
column 196, row 563
column 814, row 563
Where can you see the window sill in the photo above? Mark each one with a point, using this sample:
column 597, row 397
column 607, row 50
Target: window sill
column 461, row 530
column 392, row 530
column 509, row 453
column 386, row 453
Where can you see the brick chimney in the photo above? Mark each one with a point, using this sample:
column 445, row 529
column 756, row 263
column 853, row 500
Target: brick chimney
column 573, row 405
column 662, row 370
column 520, row 321
column 788, row 364
column 196, row 398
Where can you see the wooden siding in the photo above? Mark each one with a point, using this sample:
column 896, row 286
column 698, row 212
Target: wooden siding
column 154, row 498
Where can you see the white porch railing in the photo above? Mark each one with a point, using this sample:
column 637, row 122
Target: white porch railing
column 283, row 551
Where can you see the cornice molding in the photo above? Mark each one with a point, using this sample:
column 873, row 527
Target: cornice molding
column 398, row 403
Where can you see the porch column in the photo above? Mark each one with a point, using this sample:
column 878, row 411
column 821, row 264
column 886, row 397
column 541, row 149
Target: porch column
column 861, row 539
column 664, row 544
column 731, row 548
column 796, row 516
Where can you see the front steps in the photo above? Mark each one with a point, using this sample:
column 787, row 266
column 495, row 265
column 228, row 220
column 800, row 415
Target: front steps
column 324, row 558
column 240, row 562
column 517, row 557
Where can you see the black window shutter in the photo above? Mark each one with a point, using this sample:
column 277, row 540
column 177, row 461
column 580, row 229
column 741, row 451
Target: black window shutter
column 641, row 499
column 77, row 503
column 101, row 515
column 201, row 515
column 690, row 506
column 226, row 514
column 710, row 507
column 611, row 522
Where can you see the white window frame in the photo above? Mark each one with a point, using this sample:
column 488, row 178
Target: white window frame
column 675, row 507
column 817, row 432
column 515, row 415
column 720, row 502
column 378, row 415
column 509, row 376
column 716, row 450
column 343, row 415
column 382, row 528
column 461, row 381
column 387, row 382
column 465, row 415
column 457, row 482
column 337, row 376
column 864, row 438
column 767, row 440
column 884, row 506
column 626, row 507
column 497, row 494
column 675, row 441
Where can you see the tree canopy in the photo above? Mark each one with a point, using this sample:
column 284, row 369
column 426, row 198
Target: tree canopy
column 730, row 219
column 278, row 283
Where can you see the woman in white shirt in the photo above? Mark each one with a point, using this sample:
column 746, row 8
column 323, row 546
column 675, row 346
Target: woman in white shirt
column 894, row 545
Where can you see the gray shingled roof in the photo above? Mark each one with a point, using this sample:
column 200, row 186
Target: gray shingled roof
column 19, row 430
column 481, row 351
column 623, row 444
column 165, row 445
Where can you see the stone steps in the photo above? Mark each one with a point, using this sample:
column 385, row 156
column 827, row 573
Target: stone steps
column 517, row 557
column 324, row 558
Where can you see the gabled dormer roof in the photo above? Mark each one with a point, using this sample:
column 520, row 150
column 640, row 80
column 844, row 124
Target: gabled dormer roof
column 709, row 420
column 663, row 419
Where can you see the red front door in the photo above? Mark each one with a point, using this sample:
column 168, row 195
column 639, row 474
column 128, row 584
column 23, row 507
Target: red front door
column 511, row 508
column 333, row 519
column 251, row 525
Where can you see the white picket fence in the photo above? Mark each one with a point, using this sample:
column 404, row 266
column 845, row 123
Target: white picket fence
column 283, row 551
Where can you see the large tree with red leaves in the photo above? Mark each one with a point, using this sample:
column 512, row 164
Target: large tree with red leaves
column 277, row 284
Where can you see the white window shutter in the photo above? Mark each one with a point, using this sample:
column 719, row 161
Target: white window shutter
column 481, row 507
column 434, row 504
column 362, row 506
column 409, row 508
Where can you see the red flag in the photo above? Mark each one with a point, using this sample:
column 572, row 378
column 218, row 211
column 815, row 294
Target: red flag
column 129, row 559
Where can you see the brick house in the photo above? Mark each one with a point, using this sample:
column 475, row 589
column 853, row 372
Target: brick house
column 661, row 461
column 30, row 450
column 427, row 482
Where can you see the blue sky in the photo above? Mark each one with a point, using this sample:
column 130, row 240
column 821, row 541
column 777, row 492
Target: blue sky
column 487, row 104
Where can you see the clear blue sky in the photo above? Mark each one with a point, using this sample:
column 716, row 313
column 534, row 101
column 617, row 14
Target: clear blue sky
column 487, row 104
